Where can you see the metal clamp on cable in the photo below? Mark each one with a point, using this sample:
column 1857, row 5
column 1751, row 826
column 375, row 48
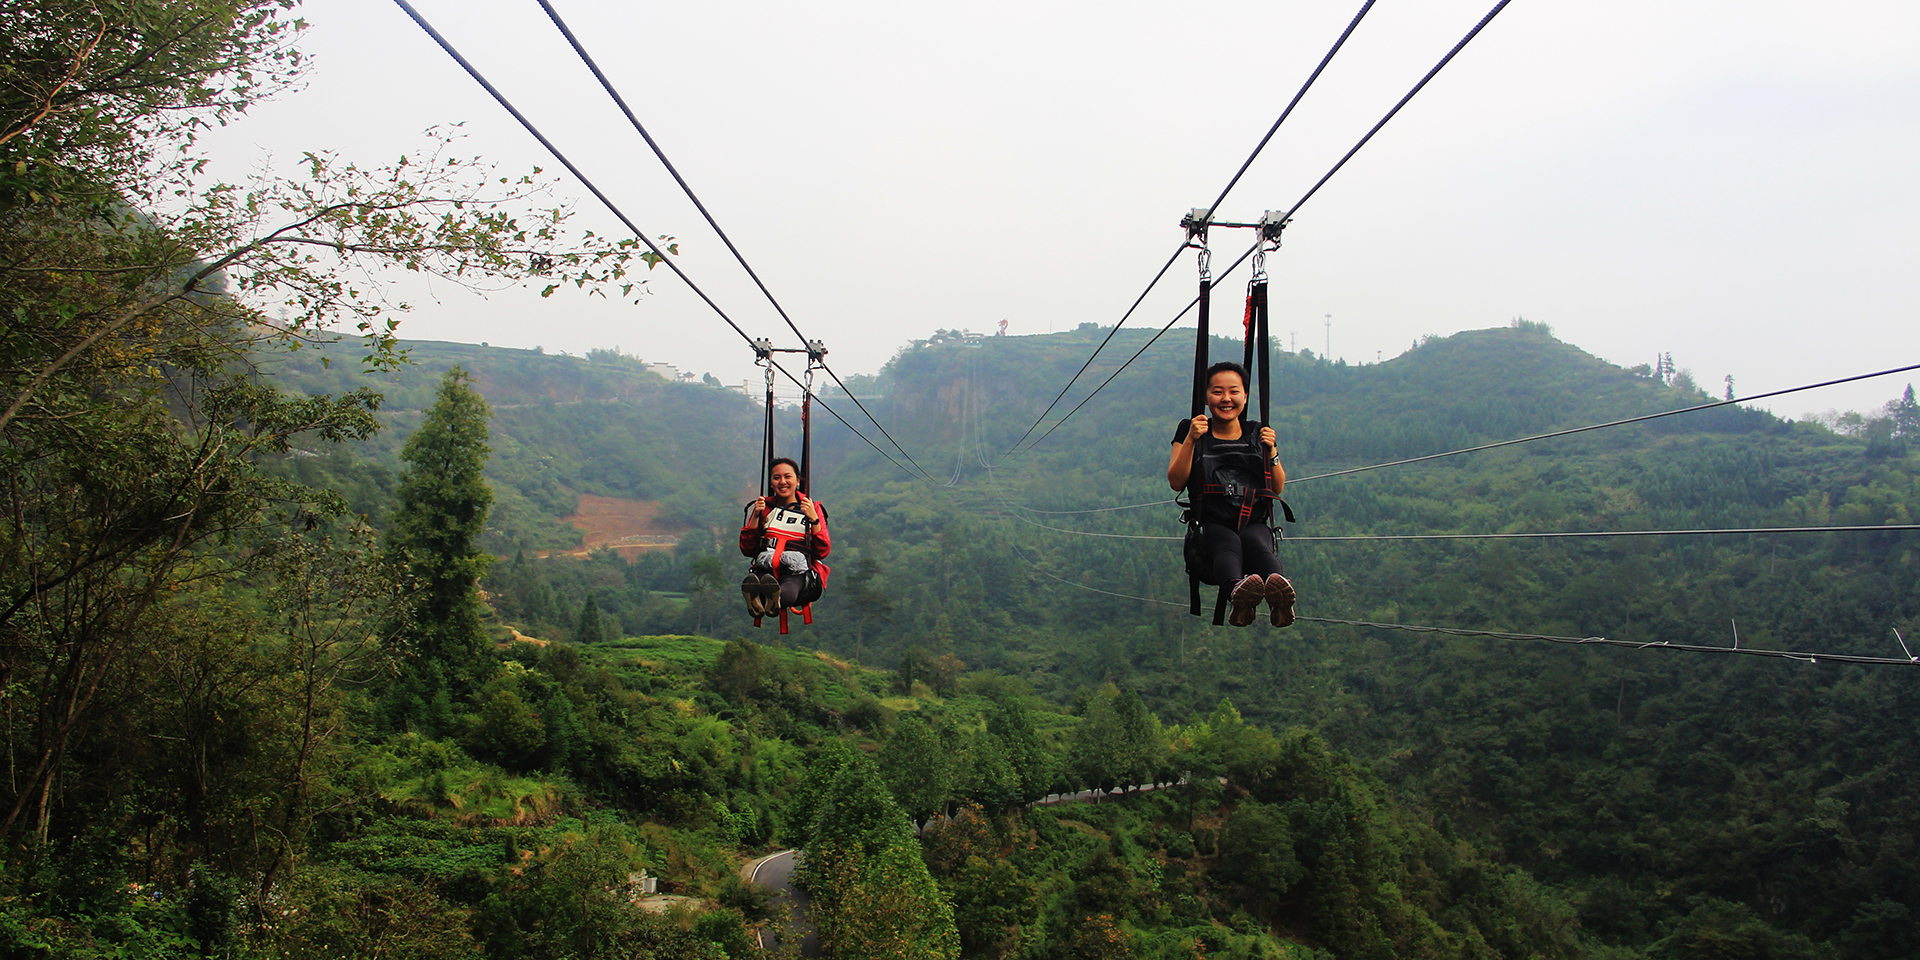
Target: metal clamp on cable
column 1196, row 224
column 1271, row 224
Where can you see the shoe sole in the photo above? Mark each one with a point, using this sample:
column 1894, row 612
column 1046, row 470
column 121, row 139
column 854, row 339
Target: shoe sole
column 770, row 593
column 1280, row 598
column 1245, row 598
column 750, row 589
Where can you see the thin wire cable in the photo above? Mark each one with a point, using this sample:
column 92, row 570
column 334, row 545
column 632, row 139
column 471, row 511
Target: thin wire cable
column 1610, row 423
column 856, row 432
column 1296, row 206
column 578, row 175
column 1088, row 533
column 587, row 182
column 1337, row 44
column 1062, row 513
column 607, row 85
column 1103, row 345
column 1136, row 354
column 686, row 188
column 1556, row 535
column 1502, row 5
column 1124, row 596
column 876, row 423
column 1850, row 528
column 1231, row 183
column 1803, row 656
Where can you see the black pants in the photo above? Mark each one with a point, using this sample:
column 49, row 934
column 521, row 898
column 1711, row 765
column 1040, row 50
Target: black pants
column 792, row 573
column 1237, row 553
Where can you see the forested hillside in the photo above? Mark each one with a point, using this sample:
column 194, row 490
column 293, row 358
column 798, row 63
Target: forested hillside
column 304, row 653
column 1656, row 791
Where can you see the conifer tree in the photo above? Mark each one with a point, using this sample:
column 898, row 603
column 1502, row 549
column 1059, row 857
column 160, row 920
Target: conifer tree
column 589, row 629
column 444, row 500
column 1906, row 415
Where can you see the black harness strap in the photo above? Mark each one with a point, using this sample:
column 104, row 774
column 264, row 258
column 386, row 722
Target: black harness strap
column 763, row 354
column 1199, row 404
column 816, row 358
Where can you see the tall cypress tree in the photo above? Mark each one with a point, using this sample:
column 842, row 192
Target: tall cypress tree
column 1906, row 415
column 444, row 500
column 589, row 629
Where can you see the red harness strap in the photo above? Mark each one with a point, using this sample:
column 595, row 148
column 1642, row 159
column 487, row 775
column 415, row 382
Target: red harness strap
column 1248, row 497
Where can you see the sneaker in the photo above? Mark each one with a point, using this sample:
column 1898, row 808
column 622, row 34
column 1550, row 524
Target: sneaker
column 750, row 589
column 769, row 593
column 1280, row 597
column 1245, row 599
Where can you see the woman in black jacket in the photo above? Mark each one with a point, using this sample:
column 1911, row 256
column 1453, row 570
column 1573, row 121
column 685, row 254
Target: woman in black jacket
column 1238, row 477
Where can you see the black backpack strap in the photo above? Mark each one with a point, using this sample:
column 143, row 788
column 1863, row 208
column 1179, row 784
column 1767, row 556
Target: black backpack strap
column 1220, row 606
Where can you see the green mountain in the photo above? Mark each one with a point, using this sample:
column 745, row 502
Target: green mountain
column 1660, row 792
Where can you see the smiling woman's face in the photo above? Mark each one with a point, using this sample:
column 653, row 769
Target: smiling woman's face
column 784, row 482
column 1226, row 395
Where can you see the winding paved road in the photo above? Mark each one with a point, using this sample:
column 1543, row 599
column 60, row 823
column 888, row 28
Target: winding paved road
column 775, row 874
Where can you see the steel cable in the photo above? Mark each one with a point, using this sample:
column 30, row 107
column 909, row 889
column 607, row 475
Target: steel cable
column 639, row 234
column 1290, row 212
column 1231, row 183
column 686, row 188
column 1601, row 426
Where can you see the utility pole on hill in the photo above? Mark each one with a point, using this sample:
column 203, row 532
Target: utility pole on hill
column 1329, row 353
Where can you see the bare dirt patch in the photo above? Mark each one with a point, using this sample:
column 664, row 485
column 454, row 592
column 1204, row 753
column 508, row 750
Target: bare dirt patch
column 664, row 902
column 625, row 526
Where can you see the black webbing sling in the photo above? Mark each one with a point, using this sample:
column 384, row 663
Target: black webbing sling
column 1199, row 406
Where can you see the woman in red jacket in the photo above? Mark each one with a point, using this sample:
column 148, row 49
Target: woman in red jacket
column 785, row 534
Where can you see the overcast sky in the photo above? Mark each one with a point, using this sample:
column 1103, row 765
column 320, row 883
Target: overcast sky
column 1731, row 181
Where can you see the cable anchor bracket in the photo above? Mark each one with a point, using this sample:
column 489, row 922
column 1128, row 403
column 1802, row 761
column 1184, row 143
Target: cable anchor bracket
column 1196, row 223
column 1271, row 224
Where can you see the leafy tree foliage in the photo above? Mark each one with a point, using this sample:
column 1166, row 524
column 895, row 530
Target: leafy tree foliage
column 181, row 623
column 872, row 896
column 917, row 766
column 437, row 526
column 1609, row 780
column 589, row 629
